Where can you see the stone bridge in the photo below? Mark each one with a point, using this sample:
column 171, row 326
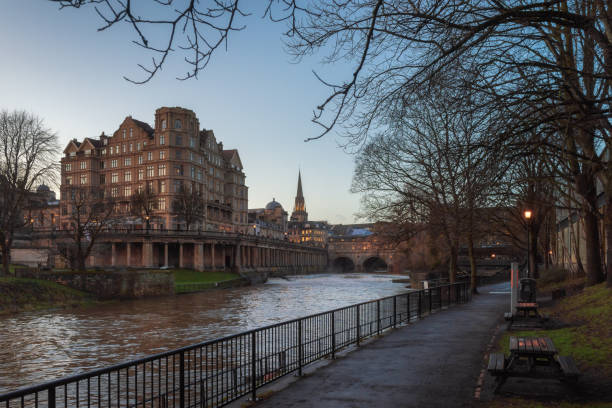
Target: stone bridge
column 363, row 254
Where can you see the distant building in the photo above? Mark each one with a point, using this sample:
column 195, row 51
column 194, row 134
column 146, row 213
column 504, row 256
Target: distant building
column 174, row 153
column 43, row 209
column 269, row 222
column 300, row 229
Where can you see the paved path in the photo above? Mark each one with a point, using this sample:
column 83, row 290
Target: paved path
column 432, row 363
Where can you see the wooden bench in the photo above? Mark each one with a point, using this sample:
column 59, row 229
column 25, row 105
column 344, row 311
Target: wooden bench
column 497, row 364
column 568, row 367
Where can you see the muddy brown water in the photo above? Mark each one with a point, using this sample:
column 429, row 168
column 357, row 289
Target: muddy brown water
column 42, row 346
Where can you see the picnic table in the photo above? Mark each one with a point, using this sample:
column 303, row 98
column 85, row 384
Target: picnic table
column 531, row 357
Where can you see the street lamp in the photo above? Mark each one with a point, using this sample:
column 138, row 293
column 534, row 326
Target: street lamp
column 527, row 214
column 147, row 220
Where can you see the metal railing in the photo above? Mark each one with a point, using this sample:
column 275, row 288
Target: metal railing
column 217, row 372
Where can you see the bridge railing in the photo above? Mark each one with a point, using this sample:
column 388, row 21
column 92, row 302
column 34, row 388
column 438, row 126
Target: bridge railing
column 217, row 372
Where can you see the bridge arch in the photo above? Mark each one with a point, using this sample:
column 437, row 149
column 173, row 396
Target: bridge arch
column 375, row 263
column 343, row 264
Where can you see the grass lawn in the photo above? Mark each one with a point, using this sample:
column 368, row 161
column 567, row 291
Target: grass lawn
column 585, row 333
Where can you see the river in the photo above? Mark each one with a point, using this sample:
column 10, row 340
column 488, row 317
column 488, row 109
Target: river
column 41, row 346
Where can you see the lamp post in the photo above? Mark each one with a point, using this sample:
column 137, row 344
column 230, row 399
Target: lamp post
column 527, row 214
column 147, row 221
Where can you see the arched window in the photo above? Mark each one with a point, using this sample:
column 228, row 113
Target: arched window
column 177, row 124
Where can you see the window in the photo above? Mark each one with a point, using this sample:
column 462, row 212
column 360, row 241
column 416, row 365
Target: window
column 115, row 192
column 161, row 170
column 104, row 151
column 115, row 178
column 161, row 204
column 113, row 163
column 191, row 142
column 177, row 154
column 139, row 159
column 131, row 133
column 149, row 156
column 179, row 140
column 150, row 186
column 164, row 124
column 162, row 154
column 162, row 139
column 127, row 191
column 192, row 172
column 83, row 165
column 102, row 179
column 199, row 174
column 72, row 154
column 150, row 171
column 138, row 146
column 140, row 174
column 177, row 124
column 177, row 186
column 124, row 148
column 83, row 179
column 162, row 186
column 178, row 169
column 68, row 167
column 128, row 161
column 131, row 147
column 102, row 164
column 123, row 133
column 127, row 176
column 191, row 156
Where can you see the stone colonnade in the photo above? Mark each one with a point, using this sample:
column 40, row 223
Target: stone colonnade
column 211, row 255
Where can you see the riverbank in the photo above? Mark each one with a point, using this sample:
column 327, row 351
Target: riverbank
column 581, row 327
column 188, row 280
column 20, row 294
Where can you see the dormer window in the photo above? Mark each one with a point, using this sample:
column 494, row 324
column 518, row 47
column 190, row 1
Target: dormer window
column 177, row 124
column 163, row 124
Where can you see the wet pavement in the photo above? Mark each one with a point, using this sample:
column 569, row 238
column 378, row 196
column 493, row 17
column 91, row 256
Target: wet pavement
column 434, row 362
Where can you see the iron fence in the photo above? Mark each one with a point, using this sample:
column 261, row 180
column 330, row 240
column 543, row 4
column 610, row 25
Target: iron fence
column 217, row 372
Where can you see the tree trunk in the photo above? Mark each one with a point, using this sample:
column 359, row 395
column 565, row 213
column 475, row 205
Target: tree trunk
column 473, row 277
column 5, row 259
column 594, row 272
column 608, row 229
column 533, row 252
column 452, row 264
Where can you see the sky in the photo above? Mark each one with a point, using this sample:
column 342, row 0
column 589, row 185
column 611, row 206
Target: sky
column 56, row 65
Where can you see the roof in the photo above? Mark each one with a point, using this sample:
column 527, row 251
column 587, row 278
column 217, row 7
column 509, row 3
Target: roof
column 145, row 126
column 273, row 205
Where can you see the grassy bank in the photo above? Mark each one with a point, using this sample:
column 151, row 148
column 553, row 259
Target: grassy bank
column 17, row 294
column 188, row 280
column 583, row 330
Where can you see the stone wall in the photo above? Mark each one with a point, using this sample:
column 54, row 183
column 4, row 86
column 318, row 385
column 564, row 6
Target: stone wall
column 110, row 285
column 261, row 274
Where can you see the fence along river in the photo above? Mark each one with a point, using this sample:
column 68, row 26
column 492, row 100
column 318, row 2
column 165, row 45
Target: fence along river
column 222, row 370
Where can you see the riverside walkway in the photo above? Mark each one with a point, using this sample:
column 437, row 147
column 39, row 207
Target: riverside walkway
column 434, row 362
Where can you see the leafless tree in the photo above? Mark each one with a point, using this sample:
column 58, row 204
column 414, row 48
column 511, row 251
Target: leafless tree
column 142, row 204
column 189, row 205
column 90, row 211
column 27, row 158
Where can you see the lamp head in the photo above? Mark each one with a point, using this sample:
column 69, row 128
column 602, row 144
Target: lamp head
column 527, row 214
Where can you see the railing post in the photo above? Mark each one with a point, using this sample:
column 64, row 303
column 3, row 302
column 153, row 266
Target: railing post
column 448, row 294
column 439, row 297
column 254, row 366
column 420, row 310
column 394, row 311
column 378, row 316
column 408, row 307
column 358, row 324
column 181, row 380
column 51, row 396
column 300, row 351
column 429, row 293
column 333, row 334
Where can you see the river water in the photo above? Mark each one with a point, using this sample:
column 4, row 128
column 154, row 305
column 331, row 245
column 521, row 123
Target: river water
column 41, row 346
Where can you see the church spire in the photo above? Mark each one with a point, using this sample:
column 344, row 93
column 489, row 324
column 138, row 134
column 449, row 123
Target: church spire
column 299, row 210
column 299, row 190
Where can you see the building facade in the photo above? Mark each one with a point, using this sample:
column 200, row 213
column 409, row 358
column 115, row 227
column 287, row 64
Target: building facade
column 172, row 155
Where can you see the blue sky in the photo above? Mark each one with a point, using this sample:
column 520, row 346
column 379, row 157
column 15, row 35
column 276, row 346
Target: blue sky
column 56, row 65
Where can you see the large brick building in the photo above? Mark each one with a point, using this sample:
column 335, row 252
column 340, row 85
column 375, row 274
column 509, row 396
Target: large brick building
column 173, row 153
